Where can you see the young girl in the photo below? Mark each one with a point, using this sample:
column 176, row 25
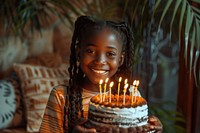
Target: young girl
column 99, row 50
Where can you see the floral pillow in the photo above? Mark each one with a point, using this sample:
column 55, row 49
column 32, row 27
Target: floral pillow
column 11, row 112
column 36, row 84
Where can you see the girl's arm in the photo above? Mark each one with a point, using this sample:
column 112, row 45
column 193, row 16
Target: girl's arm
column 54, row 113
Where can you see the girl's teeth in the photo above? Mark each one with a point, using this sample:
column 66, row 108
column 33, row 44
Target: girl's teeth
column 99, row 71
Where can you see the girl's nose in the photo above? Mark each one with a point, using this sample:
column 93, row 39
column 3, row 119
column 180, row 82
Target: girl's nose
column 100, row 59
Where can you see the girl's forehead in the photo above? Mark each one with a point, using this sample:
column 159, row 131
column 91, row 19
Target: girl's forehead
column 102, row 40
column 103, row 33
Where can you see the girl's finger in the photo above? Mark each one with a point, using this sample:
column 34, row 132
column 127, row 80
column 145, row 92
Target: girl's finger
column 116, row 130
column 132, row 130
column 157, row 128
column 92, row 130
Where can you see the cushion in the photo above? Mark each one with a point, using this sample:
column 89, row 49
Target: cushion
column 11, row 115
column 36, row 83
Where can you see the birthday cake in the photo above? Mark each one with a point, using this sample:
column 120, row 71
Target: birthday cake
column 118, row 111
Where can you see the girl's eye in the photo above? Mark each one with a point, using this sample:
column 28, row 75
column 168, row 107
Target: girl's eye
column 90, row 51
column 111, row 54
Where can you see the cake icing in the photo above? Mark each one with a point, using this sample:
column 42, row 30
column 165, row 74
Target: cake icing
column 116, row 113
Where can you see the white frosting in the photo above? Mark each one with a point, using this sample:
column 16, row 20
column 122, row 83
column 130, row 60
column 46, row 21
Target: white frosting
column 124, row 117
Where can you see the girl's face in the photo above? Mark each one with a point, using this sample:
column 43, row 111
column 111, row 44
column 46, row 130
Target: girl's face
column 100, row 55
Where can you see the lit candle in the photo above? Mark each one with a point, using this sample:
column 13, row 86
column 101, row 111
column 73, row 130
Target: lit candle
column 124, row 98
column 136, row 89
column 125, row 81
column 133, row 91
column 111, row 85
column 120, row 79
column 105, row 88
column 100, row 82
column 137, row 83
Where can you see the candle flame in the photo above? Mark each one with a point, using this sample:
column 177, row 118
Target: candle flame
column 111, row 84
column 106, row 80
column 101, row 81
column 137, row 82
column 124, row 97
column 125, row 81
column 120, row 79
column 134, row 82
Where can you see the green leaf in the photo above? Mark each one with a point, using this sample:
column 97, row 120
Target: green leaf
column 177, row 119
column 197, row 56
column 197, row 1
column 76, row 5
column 174, row 112
column 195, row 71
column 87, row 4
column 178, row 2
column 192, row 50
column 179, row 129
column 197, row 10
column 143, row 13
column 125, row 8
column 98, row 6
column 189, row 20
column 183, row 9
column 134, row 12
column 155, row 8
column 199, row 78
column 71, row 7
column 169, row 2
column 198, row 33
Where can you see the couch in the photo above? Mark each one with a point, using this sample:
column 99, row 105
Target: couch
column 24, row 93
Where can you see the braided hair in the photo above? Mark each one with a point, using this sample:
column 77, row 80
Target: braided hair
column 83, row 24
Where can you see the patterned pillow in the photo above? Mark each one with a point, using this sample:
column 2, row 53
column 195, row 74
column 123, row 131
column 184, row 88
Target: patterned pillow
column 36, row 83
column 11, row 112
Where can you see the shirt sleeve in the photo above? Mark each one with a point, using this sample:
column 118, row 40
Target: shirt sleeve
column 54, row 113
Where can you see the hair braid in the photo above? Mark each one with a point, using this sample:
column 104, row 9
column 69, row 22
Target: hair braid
column 128, row 47
column 76, row 74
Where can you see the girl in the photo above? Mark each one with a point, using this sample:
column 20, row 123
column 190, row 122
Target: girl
column 99, row 50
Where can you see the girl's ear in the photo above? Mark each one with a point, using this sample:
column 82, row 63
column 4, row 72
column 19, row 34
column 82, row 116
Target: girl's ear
column 121, row 61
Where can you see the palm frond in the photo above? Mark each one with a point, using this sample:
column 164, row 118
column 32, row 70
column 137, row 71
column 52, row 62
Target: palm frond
column 189, row 21
column 178, row 2
column 168, row 4
column 170, row 118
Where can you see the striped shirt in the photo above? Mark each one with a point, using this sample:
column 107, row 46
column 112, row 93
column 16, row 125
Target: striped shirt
column 54, row 113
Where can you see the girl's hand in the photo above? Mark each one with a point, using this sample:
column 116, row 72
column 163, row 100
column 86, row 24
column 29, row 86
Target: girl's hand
column 80, row 128
column 155, row 124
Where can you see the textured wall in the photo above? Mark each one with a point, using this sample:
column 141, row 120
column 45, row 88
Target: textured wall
column 54, row 39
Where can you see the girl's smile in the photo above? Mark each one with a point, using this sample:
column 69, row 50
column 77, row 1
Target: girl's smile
column 100, row 71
